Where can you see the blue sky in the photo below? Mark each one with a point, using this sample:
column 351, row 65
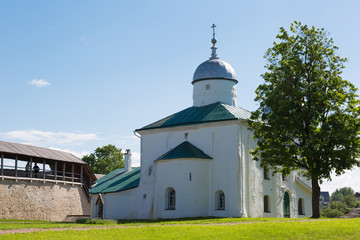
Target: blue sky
column 75, row 75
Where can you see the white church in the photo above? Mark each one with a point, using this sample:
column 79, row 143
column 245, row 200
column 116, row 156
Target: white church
column 196, row 163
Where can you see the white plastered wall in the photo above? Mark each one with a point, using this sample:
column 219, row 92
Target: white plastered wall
column 118, row 205
column 214, row 90
column 189, row 178
column 232, row 170
column 275, row 188
column 254, row 187
column 218, row 140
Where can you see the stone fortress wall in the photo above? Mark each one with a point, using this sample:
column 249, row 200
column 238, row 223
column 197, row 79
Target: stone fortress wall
column 41, row 201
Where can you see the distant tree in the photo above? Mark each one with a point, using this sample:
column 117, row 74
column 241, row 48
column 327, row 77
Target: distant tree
column 308, row 118
column 343, row 201
column 105, row 159
column 352, row 201
column 341, row 193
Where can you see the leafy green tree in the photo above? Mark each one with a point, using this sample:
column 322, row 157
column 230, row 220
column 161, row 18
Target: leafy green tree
column 342, row 202
column 336, row 209
column 105, row 159
column 352, row 201
column 331, row 213
column 308, row 116
column 339, row 194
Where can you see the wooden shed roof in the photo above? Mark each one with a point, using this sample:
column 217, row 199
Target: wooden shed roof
column 38, row 152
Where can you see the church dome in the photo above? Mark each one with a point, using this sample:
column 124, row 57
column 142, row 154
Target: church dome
column 214, row 80
column 214, row 68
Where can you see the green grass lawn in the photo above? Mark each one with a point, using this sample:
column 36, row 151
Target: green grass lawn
column 8, row 224
column 209, row 228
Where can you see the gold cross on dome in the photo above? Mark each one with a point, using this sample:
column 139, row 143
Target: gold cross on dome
column 213, row 27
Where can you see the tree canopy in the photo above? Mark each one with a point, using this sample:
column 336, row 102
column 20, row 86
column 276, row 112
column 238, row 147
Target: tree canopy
column 308, row 116
column 105, row 159
column 341, row 193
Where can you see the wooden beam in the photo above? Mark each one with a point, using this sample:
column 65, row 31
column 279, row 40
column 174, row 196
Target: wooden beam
column 2, row 164
column 72, row 173
column 81, row 174
column 55, row 173
column 44, row 168
column 31, row 167
column 64, row 171
column 16, row 164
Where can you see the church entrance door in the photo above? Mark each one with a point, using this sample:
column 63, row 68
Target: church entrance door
column 286, row 205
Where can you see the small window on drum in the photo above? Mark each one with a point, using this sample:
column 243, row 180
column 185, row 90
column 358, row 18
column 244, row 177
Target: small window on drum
column 207, row 87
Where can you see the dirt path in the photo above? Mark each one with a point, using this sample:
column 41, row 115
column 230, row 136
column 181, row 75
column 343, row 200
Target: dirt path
column 29, row 230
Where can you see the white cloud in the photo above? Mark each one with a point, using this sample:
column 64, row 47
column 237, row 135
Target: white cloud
column 39, row 82
column 36, row 137
column 75, row 153
column 350, row 178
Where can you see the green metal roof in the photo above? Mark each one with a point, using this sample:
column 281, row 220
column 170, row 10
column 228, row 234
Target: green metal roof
column 184, row 150
column 117, row 181
column 196, row 115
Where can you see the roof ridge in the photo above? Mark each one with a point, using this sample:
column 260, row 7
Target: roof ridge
column 184, row 150
column 32, row 146
column 226, row 105
column 122, row 181
column 38, row 152
column 115, row 175
column 127, row 174
column 213, row 112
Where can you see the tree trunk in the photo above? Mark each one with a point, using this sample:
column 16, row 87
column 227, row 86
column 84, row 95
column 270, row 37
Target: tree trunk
column 315, row 198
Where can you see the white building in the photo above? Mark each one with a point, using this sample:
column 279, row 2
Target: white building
column 196, row 162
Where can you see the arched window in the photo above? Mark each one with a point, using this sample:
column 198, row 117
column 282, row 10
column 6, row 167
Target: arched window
column 220, row 200
column 171, row 198
column 100, row 206
column 266, row 203
column 301, row 206
column 286, row 205
column 266, row 173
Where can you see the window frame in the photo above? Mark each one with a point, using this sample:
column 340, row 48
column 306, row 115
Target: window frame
column 301, row 206
column 267, row 208
column 170, row 199
column 220, row 200
column 266, row 173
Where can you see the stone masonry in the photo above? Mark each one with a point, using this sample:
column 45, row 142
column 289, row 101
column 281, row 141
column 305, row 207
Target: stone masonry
column 41, row 201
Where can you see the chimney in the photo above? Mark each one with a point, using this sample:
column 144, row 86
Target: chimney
column 127, row 162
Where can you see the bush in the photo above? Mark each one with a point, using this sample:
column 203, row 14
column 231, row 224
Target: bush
column 331, row 213
column 351, row 201
column 94, row 221
column 81, row 220
column 340, row 208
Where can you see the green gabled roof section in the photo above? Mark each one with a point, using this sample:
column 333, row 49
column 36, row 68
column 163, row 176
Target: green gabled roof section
column 184, row 150
column 116, row 181
column 195, row 115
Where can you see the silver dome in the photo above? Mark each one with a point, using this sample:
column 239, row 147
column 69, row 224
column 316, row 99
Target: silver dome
column 214, row 69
